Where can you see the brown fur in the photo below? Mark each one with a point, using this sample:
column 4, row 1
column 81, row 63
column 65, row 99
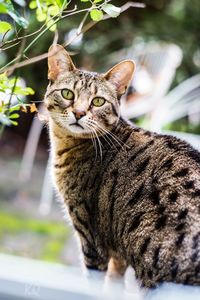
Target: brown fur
column 138, row 202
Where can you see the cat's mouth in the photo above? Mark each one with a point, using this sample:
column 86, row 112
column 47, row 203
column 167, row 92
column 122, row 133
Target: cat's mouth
column 76, row 124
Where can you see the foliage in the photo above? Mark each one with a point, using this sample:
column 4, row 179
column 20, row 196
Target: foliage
column 184, row 126
column 51, row 236
column 8, row 8
column 18, row 17
column 11, row 88
column 5, row 26
column 170, row 21
column 47, row 9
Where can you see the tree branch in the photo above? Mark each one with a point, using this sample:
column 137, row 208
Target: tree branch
column 33, row 33
column 83, row 30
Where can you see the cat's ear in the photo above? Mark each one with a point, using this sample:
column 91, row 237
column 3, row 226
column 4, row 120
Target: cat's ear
column 59, row 61
column 120, row 75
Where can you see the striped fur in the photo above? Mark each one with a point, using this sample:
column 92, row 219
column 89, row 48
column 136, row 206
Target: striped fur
column 134, row 203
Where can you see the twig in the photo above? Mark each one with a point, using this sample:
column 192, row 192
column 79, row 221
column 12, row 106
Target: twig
column 127, row 6
column 92, row 23
column 55, row 39
column 133, row 4
column 5, row 68
column 84, row 29
column 82, row 22
column 20, row 52
column 26, row 62
column 7, row 112
column 5, row 35
column 35, row 32
column 21, row 37
column 64, row 3
column 13, row 45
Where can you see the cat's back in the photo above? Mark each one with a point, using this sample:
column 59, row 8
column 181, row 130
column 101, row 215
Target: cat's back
column 154, row 157
column 156, row 198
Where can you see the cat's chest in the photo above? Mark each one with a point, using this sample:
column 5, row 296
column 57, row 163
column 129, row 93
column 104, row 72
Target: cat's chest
column 76, row 179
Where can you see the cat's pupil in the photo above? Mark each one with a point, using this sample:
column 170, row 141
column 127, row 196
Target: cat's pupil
column 98, row 101
column 67, row 94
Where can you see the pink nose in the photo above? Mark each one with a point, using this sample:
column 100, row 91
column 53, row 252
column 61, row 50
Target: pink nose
column 79, row 114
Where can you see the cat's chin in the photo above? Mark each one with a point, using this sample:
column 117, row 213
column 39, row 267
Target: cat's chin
column 83, row 134
column 78, row 131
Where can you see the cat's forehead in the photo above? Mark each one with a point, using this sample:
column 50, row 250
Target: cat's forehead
column 83, row 77
column 86, row 80
column 82, row 80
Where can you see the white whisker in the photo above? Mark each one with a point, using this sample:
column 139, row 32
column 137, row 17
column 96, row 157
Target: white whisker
column 104, row 136
column 93, row 140
column 98, row 140
column 120, row 143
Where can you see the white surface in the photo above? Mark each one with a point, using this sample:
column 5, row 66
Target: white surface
column 170, row 291
column 26, row 279
column 22, row 278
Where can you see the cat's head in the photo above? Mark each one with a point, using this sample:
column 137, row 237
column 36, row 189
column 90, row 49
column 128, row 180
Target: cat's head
column 83, row 103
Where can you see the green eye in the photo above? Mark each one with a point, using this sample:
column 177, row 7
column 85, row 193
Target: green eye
column 67, row 94
column 98, row 101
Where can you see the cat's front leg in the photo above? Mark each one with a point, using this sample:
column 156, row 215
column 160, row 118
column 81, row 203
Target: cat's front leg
column 116, row 268
column 96, row 263
column 114, row 279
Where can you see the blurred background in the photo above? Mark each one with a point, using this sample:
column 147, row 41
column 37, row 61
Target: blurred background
column 164, row 40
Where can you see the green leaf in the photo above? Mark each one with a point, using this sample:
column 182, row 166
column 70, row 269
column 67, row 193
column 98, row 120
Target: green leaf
column 15, row 15
column 53, row 10
column 18, row 90
column 29, row 91
column 96, row 15
column 23, row 91
column 14, row 108
column 96, row 1
column 12, row 81
column 41, row 16
column 50, row 24
column 15, row 123
column 3, row 77
column 5, row 26
column 3, row 8
column 14, row 116
column 59, row 3
column 32, row 4
column 111, row 10
column 85, row 0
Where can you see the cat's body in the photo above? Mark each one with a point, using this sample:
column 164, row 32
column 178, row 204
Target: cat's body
column 138, row 203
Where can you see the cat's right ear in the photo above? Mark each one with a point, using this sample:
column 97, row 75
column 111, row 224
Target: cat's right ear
column 120, row 75
column 59, row 62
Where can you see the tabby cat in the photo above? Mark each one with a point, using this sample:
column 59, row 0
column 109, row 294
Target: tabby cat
column 133, row 195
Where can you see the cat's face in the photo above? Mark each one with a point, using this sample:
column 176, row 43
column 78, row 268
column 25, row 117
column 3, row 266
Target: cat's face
column 85, row 104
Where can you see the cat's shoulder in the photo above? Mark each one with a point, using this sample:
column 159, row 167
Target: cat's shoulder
column 170, row 142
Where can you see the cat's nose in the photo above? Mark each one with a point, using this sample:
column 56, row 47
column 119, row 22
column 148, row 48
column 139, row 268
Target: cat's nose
column 79, row 114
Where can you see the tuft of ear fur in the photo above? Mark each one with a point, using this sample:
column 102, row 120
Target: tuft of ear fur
column 120, row 75
column 59, row 61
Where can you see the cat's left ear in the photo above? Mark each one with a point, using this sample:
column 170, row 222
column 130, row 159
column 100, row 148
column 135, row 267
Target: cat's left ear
column 59, row 61
column 120, row 75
